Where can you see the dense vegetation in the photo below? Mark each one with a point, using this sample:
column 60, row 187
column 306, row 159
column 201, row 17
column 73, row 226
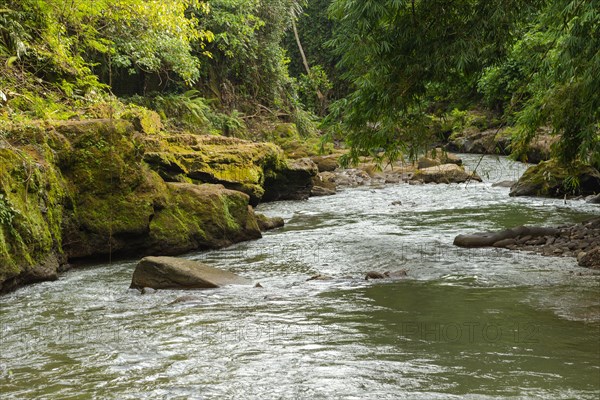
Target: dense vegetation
column 536, row 63
column 383, row 73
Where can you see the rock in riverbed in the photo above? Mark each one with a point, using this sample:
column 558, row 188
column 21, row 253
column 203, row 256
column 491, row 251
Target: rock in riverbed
column 577, row 240
column 179, row 273
column 268, row 223
column 445, row 173
column 501, row 238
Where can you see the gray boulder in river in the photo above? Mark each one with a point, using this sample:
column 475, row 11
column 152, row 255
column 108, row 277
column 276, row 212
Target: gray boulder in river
column 179, row 273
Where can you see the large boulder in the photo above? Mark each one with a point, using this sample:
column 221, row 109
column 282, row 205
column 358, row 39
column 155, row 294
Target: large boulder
column 326, row 163
column 179, row 273
column 550, row 179
column 292, row 182
column 445, row 173
column 119, row 206
column 235, row 163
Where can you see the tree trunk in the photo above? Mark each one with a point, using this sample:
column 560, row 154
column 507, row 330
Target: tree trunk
column 304, row 60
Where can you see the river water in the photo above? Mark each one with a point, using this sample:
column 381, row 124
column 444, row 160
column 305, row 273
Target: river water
column 464, row 323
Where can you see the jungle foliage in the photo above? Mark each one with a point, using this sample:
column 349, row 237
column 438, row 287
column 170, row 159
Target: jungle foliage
column 537, row 63
column 382, row 73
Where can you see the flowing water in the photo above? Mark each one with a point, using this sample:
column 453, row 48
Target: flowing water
column 464, row 324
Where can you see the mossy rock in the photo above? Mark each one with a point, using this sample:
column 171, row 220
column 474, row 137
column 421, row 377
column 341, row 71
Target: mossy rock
column 202, row 216
column 32, row 194
column 294, row 145
column 294, row 182
column 551, row 179
column 144, row 120
column 235, row 163
column 85, row 189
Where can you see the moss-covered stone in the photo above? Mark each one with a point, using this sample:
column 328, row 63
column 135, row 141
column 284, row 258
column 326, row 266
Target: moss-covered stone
column 235, row 163
column 551, row 179
column 143, row 120
column 291, row 183
column 201, row 216
column 80, row 189
column 31, row 198
column 294, row 145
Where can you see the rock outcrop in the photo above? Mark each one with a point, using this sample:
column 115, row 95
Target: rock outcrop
column 257, row 169
column 294, row 182
column 75, row 190
column 179, row 273
column 499, row 141
column 550, row 179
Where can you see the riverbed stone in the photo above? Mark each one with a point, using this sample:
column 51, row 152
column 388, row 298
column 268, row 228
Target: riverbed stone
column 504, row 242
column 326, row 163
column 505, row 184
column 268, row 223
column 179, row 273
column 593, row 199
column 591, row 258
column 445, row 173
column 374, row 275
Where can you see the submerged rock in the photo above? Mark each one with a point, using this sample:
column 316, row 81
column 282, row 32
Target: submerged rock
column 320, row 277
column 504, row 184
column 179, row 273
column 400, row 274
column 374, row 275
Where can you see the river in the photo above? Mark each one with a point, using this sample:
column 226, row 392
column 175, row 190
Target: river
column 485, row 323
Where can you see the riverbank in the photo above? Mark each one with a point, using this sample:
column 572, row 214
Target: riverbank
column 95, row 190
column 546, row 178
column 75, row 191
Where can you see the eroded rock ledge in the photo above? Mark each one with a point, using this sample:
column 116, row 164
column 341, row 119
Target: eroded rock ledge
column 579, row 240
column 80, row 190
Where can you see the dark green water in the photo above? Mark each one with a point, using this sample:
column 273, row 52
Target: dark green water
column 464, row 324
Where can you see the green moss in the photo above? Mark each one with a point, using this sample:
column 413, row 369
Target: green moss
column 550, row 178
column 143, row 120
column 207, row 216
column 115, row 214
column 89, row 188
column 32, row 192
